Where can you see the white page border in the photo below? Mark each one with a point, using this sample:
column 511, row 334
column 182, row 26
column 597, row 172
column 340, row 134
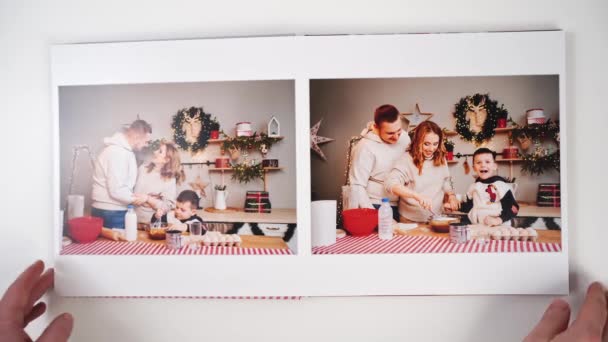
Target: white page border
column 302, row 58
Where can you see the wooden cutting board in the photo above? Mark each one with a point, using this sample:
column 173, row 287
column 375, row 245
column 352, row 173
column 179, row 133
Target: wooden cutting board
column 223, row 211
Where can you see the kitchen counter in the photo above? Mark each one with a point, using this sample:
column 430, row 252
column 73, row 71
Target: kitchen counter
column 248, row 241
column 544, row 236
column 280, row 215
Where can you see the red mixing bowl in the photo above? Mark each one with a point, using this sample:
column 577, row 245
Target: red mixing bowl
column 360, row 222
column 85, row 229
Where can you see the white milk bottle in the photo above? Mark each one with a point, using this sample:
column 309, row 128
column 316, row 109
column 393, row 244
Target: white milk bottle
column 130, row 224
column 385, row 220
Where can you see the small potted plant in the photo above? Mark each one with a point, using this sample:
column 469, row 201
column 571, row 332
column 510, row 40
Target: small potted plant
column 502, row 115
column 214, row 128
column 449, row 147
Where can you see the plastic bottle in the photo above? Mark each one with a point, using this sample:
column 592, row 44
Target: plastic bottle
column 385, row 220
column 130, row 224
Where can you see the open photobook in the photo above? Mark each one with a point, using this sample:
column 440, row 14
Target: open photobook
column 311, row 166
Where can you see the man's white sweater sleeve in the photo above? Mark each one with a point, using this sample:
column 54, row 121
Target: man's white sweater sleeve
column 116, row 171
column 398, row 175
column 361, row 168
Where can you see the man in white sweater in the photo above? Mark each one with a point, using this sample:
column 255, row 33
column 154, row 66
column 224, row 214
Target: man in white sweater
column 383, row 142
column 115, row 174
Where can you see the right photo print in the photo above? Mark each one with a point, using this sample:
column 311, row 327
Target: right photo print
column 436, row 165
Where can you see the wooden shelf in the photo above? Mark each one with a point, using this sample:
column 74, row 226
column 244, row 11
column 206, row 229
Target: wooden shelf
column 450, row 133
column 501, row 130
column 452, row 161
column 222, row 170
column 499, row 160
column 217, row 141
column 230, row 169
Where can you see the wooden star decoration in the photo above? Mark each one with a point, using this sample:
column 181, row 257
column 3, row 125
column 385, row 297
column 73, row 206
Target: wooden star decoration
column 316, row 140
column 417, row 117
column 199, row 186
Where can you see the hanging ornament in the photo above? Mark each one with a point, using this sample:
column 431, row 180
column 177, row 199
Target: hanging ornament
column 467, row 168
column 263, row 150
column 199, row 186
column 235, row 153
column 316, row 140
column 524, row 141
column 416, row 117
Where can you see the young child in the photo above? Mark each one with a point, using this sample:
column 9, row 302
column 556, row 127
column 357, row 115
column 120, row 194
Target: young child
column 489, row 200
column 184, row 213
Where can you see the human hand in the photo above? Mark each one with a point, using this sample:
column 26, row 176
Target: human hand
column 139, row 199
column 159, row 213
column 454, row 202
column 17, row 307
column 589, row 325
column 492, row 221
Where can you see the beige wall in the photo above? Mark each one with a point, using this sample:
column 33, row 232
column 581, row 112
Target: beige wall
column 347, row 105
column 90, row 113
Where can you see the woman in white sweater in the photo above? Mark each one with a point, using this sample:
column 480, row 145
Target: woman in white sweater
column 159, row 179
column 421, row 177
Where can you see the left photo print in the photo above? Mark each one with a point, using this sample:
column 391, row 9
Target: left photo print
column 198, row 168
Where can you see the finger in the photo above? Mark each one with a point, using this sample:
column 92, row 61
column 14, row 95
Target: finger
column 605, row 336
column 12, row 305
column 59, row 330
column 592, row 315
column 36, row 312
column 554, row 321
column 44, row 283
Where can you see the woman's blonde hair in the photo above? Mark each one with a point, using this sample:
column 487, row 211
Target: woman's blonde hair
column 420, row 132
column 173, row 167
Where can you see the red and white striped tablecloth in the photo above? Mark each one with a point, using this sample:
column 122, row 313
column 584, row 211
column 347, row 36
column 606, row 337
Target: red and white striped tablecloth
column 428, row 244
column 199, row 297
column 106, row 247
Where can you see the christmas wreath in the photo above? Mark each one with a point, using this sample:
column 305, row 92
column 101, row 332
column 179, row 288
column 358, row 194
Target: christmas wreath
column 478, row 102
column 189, row 116
column 541, row 159
column 246, row 173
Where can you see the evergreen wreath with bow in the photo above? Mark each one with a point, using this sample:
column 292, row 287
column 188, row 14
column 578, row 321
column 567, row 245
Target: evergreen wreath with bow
column 245, row 172
column 247, row 143
column 192, row 113
column 463, row 124
column 540, row 160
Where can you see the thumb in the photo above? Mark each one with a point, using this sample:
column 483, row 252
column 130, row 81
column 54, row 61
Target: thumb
column 59, row 330
column 554, row 321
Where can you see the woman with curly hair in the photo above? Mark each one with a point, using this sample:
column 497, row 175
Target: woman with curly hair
column 421, row 177
column 159, row 179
